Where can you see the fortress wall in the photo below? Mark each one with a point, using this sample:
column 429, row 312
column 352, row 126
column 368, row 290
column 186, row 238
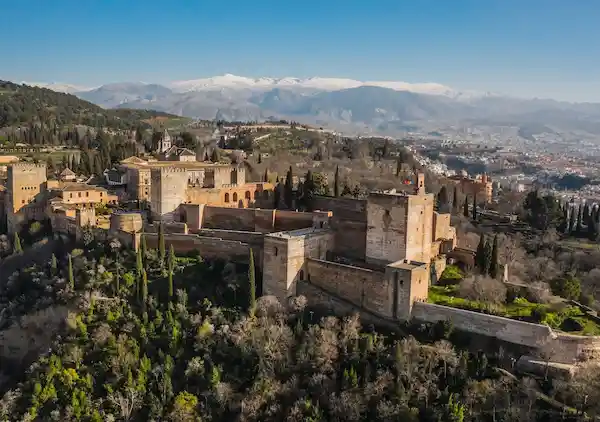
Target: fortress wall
column 238, row 236
column 568, row 347
column 264, row 220
column 349, row 223
column 292, row 220
column 317, row 297
column 208, row 247
column 509, row 330
column 360, row 286
column 229, row 218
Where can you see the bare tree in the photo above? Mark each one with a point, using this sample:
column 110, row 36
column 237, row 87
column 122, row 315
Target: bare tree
column 484, row 289
column 127, row 402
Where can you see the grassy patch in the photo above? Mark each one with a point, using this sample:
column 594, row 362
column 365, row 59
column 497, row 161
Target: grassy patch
column 520, row 309
column 451, row 275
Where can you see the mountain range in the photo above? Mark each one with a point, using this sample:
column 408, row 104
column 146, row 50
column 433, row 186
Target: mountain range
column 385, row 107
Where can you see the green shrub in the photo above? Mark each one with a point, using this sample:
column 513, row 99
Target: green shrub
column 539, row 314
column 451, row 275
column 571, row 324
column 568, row 287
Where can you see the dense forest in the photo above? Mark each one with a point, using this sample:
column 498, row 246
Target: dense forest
column 22, row 105
column 151, row 336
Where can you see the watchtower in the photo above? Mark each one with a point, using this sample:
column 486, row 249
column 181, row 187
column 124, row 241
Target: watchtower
column 25, row 186
column 168, row 190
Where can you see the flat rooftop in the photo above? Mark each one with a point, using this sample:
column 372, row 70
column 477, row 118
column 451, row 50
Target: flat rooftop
column 309, row 231
column 407, row 265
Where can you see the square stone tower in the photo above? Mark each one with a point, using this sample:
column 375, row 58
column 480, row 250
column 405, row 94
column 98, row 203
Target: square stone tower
column 168, row 189
column 399, row 227
column 25, row 187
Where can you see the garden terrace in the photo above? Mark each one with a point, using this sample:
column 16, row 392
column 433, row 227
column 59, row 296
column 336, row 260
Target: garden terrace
column 558, row 316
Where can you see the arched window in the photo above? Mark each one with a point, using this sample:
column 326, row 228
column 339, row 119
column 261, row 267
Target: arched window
column 226, row 197
column 247, row 194
column 235, row 197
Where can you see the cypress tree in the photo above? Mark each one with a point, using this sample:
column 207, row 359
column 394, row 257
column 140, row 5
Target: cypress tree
column 144, row 248
column 171, row 269
column 117, row 279
column 494, row 264
column 17, row 248
column 266, row 176
column 276, row 195
column 252, row 282
column 144, row 290
column 336, row 182
column 474, row 207
column 487, row 263
column 480, row 254
column 288, row 189
column 53, row 265
column 308, row 190
column 70, row 274
column 466, row 207
column 572, row 219
column 455, row 201
column 579, row 218
column 442, row 199
column 139, row 263
column 162, row 252
column 215, row 158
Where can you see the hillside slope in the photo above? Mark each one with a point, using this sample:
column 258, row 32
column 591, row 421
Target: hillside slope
column 24, row 105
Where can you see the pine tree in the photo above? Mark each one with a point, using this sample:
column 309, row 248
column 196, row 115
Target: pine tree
column 70, row 274
column 336, row 182
column 466, row 207
column 17, row 248
column 474, row 208
column 171, row 269
column 252, row 282
column 162, row 252
column 480, row 254
column 288, row 189
column 455, row 201
column 494, row 264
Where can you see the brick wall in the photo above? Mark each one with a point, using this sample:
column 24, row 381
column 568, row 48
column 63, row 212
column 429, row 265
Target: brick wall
column 362, row 287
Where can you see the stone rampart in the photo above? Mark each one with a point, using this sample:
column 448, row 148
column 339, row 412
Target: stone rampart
column 349, row 223
column 360, row 286
column 509, row 330
column 319, row 298
column 208, row 247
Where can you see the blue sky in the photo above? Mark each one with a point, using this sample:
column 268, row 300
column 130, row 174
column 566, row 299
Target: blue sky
column 543, row 48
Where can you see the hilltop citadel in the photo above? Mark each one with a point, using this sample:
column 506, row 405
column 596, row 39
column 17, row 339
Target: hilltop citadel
column 377, row 255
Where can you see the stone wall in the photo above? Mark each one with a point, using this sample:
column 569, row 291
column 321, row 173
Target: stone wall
column 365, row 288
column 419, row 231
column 509, row 330
column 319, row 298
column 349, row 223
column 167, row 192
column 293, row 220
column 387, row 228
column 208, row 247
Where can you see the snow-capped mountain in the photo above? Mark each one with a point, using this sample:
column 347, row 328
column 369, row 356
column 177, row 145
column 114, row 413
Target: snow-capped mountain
column 59, row 87
column 229, row 81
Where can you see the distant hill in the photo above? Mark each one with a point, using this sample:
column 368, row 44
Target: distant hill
column 23, row 105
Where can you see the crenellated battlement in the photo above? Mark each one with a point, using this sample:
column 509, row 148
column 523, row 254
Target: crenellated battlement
column 27, row 166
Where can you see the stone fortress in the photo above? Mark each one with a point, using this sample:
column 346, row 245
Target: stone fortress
column 377, row 256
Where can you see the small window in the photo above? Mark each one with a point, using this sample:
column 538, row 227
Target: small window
column 235, row 197
column 100, row 194
column 276, row 252
column 70, row 195
column 23, row 201
column 226, row 197
column 79, row 194
column 87, row 194
column 247, row 194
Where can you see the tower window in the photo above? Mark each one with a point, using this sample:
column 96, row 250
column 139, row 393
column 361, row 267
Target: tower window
column 226, row 197
column 276, row 252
